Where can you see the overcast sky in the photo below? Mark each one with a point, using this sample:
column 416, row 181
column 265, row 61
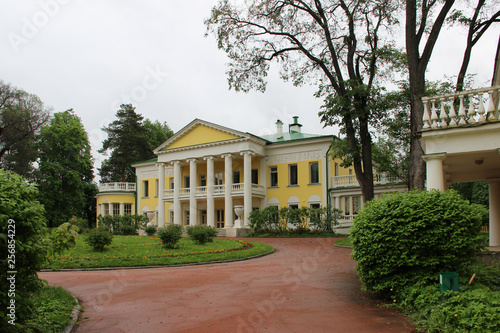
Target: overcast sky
column 88, row 55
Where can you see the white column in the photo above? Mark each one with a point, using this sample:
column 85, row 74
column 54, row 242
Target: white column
column 177, row 189
column 247, row 185
column 228, row 183
column 336, row 203
column 161, row 192
column 122, row 209
column 494, row 212
column 435, row 173
column 193, row 207
column 210, row 191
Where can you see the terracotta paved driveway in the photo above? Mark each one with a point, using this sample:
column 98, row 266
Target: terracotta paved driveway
column 307, row 285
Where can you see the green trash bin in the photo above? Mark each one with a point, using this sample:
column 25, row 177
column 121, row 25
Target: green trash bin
column 448, row 281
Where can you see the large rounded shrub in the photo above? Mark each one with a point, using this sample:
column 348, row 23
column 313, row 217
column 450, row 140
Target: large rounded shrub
column 22, row 244
column 405, row 238
column 99, row 238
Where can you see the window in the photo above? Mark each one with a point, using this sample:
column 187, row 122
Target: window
column 171, row 216
column 203, row 217
column 157, row 185
column 293, row 206
column 356, row 205
column 350, row 172
column 186, row 222
column 106, row 209
column 127, row 209
column 186, row 181
column 315, row 206
column 273, row 176
column 347, row 210
column 203, row 180
column 220, row 218
column 145, row 188
column 314, row 173
column 292, row 174
column 171, row 183
column 336, row 169
column 255, row 176
column 218, row 178
column 236, row 177
column 116, row 209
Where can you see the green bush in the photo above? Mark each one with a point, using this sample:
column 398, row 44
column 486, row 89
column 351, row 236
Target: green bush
column 170, row 235
column 128, row 230
column 201, row 234
column 99, row 238
column 151, row 230
column 265, row 220
column 408, row 237
column 115, row 223
column 62, row 238
column 22, row 244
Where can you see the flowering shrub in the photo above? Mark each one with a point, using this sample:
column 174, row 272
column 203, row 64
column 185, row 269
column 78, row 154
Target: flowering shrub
column 201, row 234
column 408, row 237
column 170, row 235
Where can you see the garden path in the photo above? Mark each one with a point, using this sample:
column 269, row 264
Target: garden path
column 307, row 285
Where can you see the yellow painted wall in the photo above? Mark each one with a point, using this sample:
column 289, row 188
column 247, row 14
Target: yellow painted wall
column 199, row 135
column 303, row 191
column 115, row 198
column 342, row 171
column 150, row 200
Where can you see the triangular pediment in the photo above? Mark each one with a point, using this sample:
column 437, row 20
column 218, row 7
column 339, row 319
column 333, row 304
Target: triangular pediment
column 199, row 133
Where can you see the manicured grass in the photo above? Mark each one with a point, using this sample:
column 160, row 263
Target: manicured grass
column 128, row 251
column 344, row 242
column 53, row 306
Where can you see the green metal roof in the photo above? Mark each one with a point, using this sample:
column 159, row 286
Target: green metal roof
column 291, row 136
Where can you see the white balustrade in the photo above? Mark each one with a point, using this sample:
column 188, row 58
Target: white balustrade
column 474, row 107
column 351, row 181
column 117, row 186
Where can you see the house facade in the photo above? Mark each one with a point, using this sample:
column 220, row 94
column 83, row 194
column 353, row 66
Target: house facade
column 204, row 170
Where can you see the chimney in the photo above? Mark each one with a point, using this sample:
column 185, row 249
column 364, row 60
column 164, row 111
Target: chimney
column 279, row 129
column 295, row 127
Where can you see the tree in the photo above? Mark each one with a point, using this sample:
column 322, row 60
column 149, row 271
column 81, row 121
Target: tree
column 336, row 45
column 130, row 139
column 156, row 132
column 419, row 33
column 478, row 19
column 65, row 173
column 21, row 117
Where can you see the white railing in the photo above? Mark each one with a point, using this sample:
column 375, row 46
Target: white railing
column 201, row 191
column 116, row 187
column 348, row 181
column 462, row 108
column 346, row 221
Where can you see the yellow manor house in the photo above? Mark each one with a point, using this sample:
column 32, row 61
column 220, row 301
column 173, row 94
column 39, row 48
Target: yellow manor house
column 203, row 171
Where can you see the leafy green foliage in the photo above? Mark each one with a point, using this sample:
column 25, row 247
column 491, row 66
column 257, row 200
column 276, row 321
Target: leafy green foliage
column 63, row 238
column 22, row 242
column 170, row 235
column 21, row 117
column 65, row 172
column 408, row 237
column 98, row 239
column 475, row 192
column 120, row 224
column 201, row 234
column 150, row 230
column 156, row 132
column 272, row 220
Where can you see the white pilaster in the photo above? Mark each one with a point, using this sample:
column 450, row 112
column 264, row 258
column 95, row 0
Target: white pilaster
column 435, row 173
column 210, row 191
column 193, row 207
column 122, row 209
column 247, row 185
column 177, row 188
column 494, row 212
column 228, row 182
column 161, row 191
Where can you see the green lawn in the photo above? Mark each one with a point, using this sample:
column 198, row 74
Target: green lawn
column 344, row 242
column 126, row 251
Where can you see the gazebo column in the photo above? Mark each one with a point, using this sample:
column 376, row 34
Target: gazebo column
column 193, row 207
column 161, row 191
column 435, row 172
column 228, row 182
column 177, row 188
column 494, row 226
column 210, row 191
